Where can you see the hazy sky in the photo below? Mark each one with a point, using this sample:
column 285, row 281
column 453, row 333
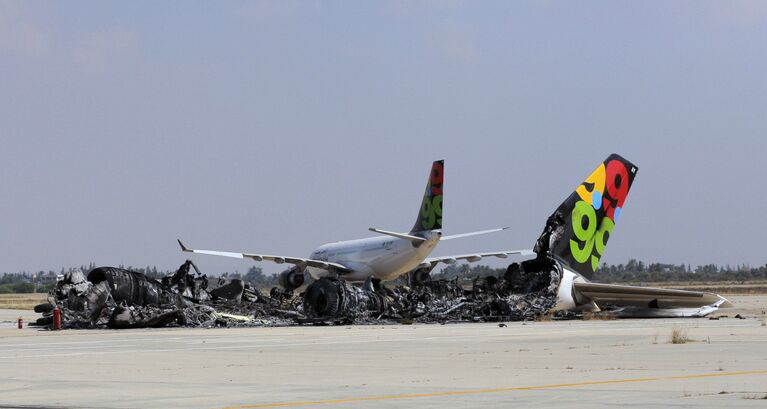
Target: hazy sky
column 274, row 127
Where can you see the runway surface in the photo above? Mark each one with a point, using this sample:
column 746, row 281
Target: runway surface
column 540, row 364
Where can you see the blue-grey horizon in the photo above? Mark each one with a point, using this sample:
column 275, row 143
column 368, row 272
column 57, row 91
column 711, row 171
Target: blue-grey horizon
column 274, row 127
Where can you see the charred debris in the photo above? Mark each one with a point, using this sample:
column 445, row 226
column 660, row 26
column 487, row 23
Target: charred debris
column 109, row 297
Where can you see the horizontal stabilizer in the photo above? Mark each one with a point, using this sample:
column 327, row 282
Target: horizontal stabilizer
column 648, row 297
column 474, row 233
column 639, row 312
column 398, row 235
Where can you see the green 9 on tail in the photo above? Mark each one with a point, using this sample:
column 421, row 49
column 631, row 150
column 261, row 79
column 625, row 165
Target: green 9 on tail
column 430, row 213
column 578, row 231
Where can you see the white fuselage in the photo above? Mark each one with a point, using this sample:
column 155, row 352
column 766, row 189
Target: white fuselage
column 567, row 297
column 384, row 258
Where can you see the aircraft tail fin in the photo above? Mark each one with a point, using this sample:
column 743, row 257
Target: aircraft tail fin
column 578, row 231
column 430, row 213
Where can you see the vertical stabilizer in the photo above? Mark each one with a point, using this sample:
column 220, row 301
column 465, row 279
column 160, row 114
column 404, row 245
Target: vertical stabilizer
column 578, row 231
column 430, row 213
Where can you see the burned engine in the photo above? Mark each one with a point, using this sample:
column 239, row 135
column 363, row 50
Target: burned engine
column 129, row 287
column 525, row 292
column 334, row 298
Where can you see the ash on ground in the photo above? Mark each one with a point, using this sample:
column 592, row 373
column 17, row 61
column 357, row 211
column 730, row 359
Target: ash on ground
column 109, row 297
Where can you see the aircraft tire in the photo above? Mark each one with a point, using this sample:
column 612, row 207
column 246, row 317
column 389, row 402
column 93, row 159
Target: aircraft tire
column 43, row 308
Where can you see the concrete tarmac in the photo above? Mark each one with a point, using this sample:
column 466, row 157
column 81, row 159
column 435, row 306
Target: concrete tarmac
column 537, row 364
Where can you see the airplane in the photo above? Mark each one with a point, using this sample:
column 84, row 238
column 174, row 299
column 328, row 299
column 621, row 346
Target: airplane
column 379, row 258
column 574, row 240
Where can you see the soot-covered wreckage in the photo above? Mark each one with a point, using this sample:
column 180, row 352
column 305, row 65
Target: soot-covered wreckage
column 556, row 281
column 109, row 297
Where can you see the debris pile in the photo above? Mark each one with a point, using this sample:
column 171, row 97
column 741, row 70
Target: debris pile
column 526, row 292
column 111, row 297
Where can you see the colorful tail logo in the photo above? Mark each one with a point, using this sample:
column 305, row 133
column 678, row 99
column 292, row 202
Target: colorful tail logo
column 578, row 231
column 430, row 214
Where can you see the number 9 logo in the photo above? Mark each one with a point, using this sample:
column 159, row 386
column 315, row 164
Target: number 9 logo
column 585, row 234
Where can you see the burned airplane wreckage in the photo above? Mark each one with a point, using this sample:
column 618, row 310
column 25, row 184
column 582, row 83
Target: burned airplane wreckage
column 525, row 292
column 557, row 282
column 109, row 297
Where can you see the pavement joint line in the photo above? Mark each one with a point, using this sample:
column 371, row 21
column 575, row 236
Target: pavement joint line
column 495, row 390
column 250, row 337
column 317, row 342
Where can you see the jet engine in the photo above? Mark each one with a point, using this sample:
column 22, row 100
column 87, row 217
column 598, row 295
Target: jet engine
column 291, row 279
column 333, row 298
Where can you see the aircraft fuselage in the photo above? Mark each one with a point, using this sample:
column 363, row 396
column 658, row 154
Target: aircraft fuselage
column 383, row 257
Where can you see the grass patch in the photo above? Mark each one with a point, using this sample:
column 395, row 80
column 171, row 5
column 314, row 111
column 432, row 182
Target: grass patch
column 21, row 301
column 544, row 317
column 598, row 316
column 679, row 336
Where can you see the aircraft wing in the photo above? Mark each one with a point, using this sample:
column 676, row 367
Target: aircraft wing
column 633, row 301
column 433, row 261
column 303, row 262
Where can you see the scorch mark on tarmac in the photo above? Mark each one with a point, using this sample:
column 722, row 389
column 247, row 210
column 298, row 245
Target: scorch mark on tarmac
column 496, row 390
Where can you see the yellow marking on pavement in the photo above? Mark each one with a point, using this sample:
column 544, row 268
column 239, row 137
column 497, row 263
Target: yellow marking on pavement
column 496, row 390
